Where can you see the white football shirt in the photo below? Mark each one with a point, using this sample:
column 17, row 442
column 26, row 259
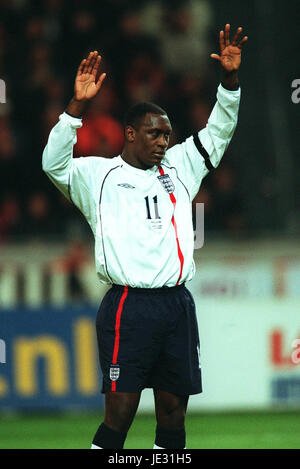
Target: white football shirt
column 141, row 219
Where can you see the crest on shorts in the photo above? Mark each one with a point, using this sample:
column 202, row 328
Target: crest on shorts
column 167, row 183
column 114, row 372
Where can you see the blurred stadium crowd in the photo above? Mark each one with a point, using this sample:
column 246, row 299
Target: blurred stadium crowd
column 152, row 51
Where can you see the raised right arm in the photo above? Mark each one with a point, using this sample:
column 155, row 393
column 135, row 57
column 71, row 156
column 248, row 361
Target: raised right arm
column 57, row 159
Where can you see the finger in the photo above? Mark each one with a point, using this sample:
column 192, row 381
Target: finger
column 236, row 36
column 215, row 56
column 87, row 63
column 100, row 81
column 222, row 44
column 240, row 45
column 81, row 67
column 227, row 29
column 96, row 66
column 92, row 62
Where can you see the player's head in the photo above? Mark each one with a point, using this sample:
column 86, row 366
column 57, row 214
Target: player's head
column 147, row 131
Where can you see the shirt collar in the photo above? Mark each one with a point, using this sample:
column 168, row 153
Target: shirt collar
column 138, row 171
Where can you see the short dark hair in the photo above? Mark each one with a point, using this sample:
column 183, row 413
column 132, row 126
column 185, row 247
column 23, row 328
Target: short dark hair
column 135, row 114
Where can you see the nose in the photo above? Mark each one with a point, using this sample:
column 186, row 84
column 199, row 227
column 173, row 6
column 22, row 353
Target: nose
column 163, row 141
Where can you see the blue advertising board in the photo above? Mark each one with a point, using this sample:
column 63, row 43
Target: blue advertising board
column 49, row 359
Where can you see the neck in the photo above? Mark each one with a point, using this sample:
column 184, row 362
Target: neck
column 131, row 159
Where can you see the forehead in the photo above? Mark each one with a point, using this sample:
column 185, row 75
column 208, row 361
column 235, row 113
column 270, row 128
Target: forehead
column 156, row 121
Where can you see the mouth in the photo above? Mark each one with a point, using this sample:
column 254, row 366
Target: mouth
column 159, row 155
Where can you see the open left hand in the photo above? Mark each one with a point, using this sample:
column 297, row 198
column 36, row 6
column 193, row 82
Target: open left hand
column 230, row 52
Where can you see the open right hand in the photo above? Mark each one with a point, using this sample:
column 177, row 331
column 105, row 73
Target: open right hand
column 85, row 82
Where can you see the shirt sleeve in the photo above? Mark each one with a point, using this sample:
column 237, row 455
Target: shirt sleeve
column 72, row 176
column 203, row 151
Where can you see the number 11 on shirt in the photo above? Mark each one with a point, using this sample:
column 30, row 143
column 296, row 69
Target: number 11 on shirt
column 155, row 207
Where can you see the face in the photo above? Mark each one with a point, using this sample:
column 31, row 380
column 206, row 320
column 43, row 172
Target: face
column 150, row 142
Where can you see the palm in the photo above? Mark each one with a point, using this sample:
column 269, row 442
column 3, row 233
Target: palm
column 86, row 86
column 230, row 52
column 231, row 58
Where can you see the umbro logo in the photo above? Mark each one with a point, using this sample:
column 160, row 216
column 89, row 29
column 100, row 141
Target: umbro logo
column 127, row 186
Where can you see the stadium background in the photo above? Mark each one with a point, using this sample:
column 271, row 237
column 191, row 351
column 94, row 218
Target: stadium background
column 247, row 282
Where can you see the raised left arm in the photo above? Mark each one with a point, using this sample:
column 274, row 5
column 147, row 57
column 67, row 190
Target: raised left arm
column 203, row 151
column 230, row 57
column 216, row 136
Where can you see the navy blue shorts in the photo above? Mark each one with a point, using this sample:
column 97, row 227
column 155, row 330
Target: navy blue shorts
column 148, row 338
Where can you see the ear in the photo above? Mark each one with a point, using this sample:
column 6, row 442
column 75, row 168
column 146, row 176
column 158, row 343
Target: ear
column 130, row 133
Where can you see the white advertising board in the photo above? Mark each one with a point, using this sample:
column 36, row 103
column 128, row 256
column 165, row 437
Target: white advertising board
column 247, row 359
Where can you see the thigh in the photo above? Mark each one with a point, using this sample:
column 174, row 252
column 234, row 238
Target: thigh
column 129, row 340
column 178, row 369
column 170, row 409
column 120, row 409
